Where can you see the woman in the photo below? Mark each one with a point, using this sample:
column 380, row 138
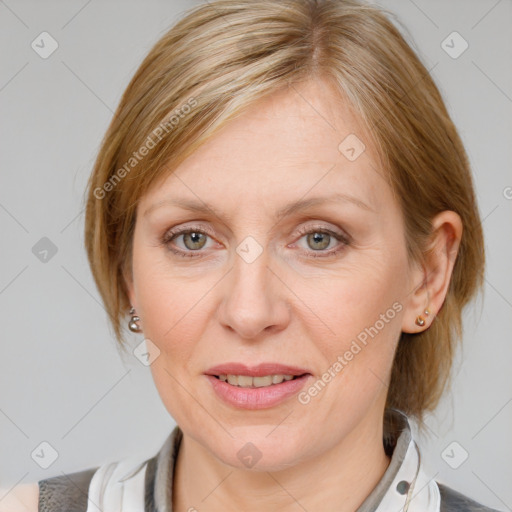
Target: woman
column 284, row 210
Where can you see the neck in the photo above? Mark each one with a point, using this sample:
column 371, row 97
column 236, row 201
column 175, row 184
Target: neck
column 337, row 480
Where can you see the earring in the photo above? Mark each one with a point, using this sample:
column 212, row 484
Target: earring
column 420, row 321
column 132, row 324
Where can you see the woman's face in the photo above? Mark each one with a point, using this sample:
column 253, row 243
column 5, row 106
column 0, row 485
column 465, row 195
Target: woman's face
column 295, row 256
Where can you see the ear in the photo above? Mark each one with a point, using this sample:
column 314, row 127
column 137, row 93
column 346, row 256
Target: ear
column 430, row 282
column 130, row 288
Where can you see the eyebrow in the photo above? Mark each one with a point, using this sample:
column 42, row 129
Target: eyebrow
column 303, row 204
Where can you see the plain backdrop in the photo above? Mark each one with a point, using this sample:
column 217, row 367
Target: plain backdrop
column 62, row 380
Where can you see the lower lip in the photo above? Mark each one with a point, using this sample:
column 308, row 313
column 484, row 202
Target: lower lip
column 257, row 398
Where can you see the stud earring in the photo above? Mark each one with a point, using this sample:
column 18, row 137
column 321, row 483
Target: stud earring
column 420, row 321
column 132, row 324
column 426, row 312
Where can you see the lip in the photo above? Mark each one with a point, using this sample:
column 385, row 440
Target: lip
column 259, row 370
column 257, row 398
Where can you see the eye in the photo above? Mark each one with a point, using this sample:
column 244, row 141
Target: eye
column 319, row 239
column 192, row 239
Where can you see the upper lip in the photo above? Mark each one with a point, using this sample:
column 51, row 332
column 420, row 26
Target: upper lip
column 259, row 370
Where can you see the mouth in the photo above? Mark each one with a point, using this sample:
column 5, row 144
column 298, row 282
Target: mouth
column 256, row 387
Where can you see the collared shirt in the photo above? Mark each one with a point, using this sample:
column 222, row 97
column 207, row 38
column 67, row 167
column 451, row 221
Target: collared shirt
column 132, row 485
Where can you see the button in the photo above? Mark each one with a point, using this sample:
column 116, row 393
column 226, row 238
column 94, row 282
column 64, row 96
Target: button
column 402, row 487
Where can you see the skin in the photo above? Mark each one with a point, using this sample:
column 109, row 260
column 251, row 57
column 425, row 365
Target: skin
column 283, row 307
column 22, row 498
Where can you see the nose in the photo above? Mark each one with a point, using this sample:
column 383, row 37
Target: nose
column 254, row 299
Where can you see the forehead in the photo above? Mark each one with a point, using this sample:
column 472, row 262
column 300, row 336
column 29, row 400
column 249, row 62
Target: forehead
column 284, row 146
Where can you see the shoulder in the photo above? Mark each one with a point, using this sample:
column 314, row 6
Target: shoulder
column 56, row 494
column 23, row 498
column 454, row 501
column 113, row 482
column 65, row 492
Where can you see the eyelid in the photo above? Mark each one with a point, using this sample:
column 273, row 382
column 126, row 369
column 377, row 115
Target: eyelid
column 180, row 230
column 342, row 235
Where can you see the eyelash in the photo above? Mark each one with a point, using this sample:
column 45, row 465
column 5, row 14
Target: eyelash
column 172, row 234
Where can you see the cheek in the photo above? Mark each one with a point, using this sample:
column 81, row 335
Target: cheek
column 358, row 298
column 171, row 310
column 363, row 311
column 173, row 317
column 165, row 303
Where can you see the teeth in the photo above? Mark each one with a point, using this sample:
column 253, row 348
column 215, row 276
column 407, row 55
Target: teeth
column 242, row 380
column 245, row 381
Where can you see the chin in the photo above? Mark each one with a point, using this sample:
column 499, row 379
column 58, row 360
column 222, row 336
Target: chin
column 258, row 448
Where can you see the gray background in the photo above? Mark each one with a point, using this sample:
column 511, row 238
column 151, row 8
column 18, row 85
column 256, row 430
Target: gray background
column 61, row 378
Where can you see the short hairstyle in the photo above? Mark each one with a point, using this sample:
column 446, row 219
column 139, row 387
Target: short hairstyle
column 225, row 55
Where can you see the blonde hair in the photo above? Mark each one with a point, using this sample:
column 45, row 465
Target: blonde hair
column 225, row 55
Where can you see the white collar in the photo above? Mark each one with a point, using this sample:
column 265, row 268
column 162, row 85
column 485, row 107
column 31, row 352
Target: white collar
column 404, row 487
